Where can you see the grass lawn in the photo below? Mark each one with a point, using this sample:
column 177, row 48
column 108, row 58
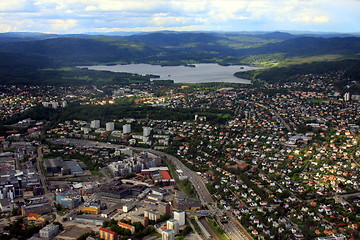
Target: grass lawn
column 61, row 213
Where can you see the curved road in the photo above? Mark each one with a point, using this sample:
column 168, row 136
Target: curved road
column 230, row 228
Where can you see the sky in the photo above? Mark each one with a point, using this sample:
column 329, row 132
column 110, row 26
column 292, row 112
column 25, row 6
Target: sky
column 86, row 16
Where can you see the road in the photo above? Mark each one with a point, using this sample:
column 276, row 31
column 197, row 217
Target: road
column 277, row 115
column 39, row 161
column 231, row 228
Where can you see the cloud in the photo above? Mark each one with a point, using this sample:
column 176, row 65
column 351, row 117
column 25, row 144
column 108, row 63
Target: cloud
column 163, row 19
column 74, row 16
column 6, row 28
column 321, row 19
column 62, row 25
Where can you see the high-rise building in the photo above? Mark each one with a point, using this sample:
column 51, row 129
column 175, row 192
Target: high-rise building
column 180, row 216
column 146, row 131
column 110, row 126
column 167, row 234
column 95, row 124
column 152, row 215
column 55, row 105
column 127, row 128
column 173, row 225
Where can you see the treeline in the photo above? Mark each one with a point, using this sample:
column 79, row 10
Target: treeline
column 67, row 77
column 110, row 112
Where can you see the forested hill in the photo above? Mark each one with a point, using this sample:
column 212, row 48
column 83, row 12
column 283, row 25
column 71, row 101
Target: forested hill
column 75, row 51
column 23, row 54
column 346, row 72
column 310, row 46
column 179, row 48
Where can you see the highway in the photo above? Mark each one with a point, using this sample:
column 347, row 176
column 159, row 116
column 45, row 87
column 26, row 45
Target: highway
column 231, row 228
column 39, row 161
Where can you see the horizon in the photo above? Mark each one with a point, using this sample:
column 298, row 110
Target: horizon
column 128, row 33
column 107, row 16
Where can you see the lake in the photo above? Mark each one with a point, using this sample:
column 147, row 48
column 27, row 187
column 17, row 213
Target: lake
column 204, row 72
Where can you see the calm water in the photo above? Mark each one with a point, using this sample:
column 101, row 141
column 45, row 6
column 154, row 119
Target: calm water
column 204, row 72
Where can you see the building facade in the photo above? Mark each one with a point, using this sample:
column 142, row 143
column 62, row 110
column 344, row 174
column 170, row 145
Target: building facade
column 167, row 234
column 173, row 225
column 180, row 216
column 49, row 231
column 107, row 234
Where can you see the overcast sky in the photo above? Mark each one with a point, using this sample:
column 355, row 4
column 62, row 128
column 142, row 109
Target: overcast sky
column 83, row 16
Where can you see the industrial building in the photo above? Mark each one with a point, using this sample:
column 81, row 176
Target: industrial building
column 58, row 165
column 118, row 189
column 49, row 231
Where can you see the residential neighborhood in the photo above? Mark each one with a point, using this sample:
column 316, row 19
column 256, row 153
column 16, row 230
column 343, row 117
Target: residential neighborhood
column 278, row 163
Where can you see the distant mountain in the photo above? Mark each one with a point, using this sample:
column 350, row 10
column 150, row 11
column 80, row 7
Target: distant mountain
column 276, row 35
column 73, row 51
column 175, row 39
column 310, row 46
column 37, row 51
column 176, row 46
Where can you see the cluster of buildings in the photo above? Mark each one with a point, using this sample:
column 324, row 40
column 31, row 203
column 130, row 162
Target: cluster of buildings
column 93, row 130
column 281, row 165
column 59, row 166
column 15, row 100
column 18, row 176
column 135, row 163
column 285, row 164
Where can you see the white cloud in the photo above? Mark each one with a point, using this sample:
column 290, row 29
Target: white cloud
column 6, row 28
column 60, row 25
column 89, row 15
column 321, row 19
column 163, row 19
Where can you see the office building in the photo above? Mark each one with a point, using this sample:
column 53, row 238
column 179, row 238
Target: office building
column 110, row 126
column 167, row 234
column 173, row 225
column 180, row 216
column 127, row 128
column 95, row 124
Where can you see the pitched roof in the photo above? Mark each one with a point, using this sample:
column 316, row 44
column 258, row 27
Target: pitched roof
column 107, row 230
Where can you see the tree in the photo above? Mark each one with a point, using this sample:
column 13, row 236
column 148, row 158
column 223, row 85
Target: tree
column 138, row 226
column 85, row 235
